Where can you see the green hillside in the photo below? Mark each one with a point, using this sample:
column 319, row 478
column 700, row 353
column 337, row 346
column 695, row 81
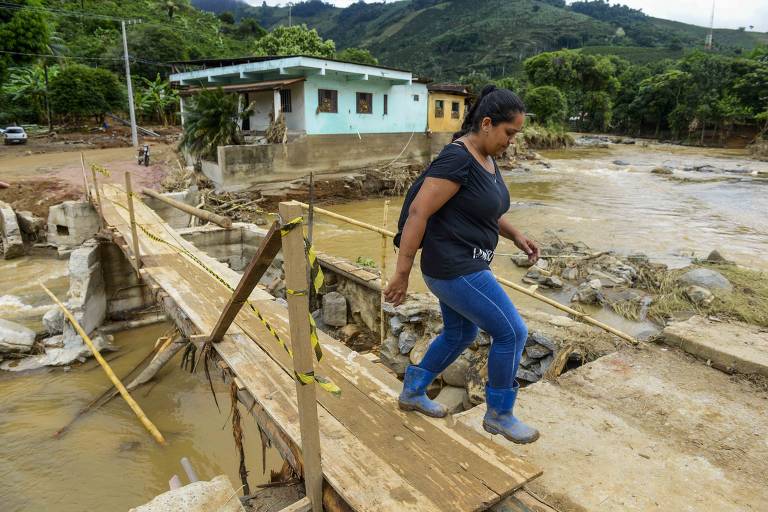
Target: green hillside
column 449, row 38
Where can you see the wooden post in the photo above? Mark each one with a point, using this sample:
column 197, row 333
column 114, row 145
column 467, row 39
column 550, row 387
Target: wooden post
column 108, row 370
column 134, row 235
column 85, row 178
column 268, row 249
column 383, row 269
column 98, row 199
column 298, row 316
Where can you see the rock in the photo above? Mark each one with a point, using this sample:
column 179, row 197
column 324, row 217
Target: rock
column 15, row 337
column 638, row 258
column 390, row 355
column 537, row 351
column 453, row 398
column 53, row 321
column 706, row 278
column 542, row 264
column 477, row 376
column 699, row 296
column 621, row 162
column 589, row 293
column 553, row 282
column 395, row 325
column 456, row 373
column 527, row 375
column 31, row 225
column 570, row 273
column 526, row 360
column 716, row 257
column 200, row 496
column 545, row 364
column 606, row 279
column 483, row 339
column 536, row 337
column 406, row 341
column 10, row 233
column 521, row 260
column 349, row 332
column 662, row 170
column 420, row 348
column 334, row 309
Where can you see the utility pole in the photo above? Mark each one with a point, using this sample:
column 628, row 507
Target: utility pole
column 134, row 136
column 708, row 41
column 290, row 5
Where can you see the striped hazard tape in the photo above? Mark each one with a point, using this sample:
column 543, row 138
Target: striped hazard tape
column 101, row 170
column 305, row 378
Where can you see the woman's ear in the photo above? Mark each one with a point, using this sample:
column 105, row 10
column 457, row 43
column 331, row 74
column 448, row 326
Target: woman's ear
column 485, row 124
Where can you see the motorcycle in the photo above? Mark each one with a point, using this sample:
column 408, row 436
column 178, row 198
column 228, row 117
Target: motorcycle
column 143, row 157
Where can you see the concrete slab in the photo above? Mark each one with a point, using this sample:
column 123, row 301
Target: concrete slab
column 734, row 347
column 217, row 494
column 10, row 233
column 646, row 429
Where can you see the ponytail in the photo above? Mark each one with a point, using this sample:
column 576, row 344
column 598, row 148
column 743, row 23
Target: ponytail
column 501, row 105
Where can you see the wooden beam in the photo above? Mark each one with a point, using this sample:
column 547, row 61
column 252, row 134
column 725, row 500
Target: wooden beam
column 295, row 263
column 303, row 505
column 259, row 264
column 220, row 220
column 134, row 235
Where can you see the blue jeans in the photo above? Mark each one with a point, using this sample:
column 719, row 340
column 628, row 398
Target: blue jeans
column 472, row 301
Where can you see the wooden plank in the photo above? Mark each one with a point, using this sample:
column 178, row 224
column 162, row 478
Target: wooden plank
column 303, row 505
column 418, row 463
column 295, row 264
column 134, row 237
column 259, row 264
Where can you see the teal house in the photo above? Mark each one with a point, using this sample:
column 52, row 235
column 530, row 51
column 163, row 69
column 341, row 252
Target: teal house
column 317, row 96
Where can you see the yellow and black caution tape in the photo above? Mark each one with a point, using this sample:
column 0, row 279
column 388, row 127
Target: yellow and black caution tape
column 305, row 378
column 101, row 170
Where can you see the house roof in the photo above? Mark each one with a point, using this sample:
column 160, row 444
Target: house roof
column 251, row 87
column 457, row 89
column 217, row 63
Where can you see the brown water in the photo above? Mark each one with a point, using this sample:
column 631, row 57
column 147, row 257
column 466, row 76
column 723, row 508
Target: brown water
column 586, row 197
column 107, row 461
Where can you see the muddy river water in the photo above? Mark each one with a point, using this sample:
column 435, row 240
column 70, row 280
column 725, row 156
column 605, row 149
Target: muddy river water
column 607, row 198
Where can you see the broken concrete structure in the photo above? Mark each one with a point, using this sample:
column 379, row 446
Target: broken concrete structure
column 10, row 233
column 203, row 496
column 15, row 338
column 33, row 228
column 71, row 223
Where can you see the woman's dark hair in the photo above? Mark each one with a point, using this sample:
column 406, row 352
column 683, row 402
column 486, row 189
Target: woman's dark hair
column 501, row 105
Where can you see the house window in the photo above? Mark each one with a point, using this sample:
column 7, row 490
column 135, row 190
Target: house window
column 285, row 100
column 454, row 110
column 364, row 103
column 386, row 104
column 439, row 108
column 415, row 97
column 327, row 101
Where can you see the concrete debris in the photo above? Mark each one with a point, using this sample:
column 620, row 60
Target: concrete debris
column 71, row 223
column 334, row 309
column 10, row 233
column 32, row 226
column 53, row 321
column 15, row 338
column 203, row 496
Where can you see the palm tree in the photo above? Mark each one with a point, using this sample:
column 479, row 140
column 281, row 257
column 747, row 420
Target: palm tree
column 211, row 120
column 29, row 83
column 156, row 98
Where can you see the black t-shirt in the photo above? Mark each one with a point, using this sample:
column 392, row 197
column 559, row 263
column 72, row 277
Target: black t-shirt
column 461, row 236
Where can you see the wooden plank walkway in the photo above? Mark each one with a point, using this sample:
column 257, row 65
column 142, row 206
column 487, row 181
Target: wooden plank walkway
column 375, row 456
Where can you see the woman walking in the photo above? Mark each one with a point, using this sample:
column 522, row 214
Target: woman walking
column 455, row 211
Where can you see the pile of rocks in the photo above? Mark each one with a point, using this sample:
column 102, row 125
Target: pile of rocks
column 412, row 327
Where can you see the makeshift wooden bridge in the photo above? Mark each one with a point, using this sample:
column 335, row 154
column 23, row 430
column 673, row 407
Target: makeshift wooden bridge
column 374, row 456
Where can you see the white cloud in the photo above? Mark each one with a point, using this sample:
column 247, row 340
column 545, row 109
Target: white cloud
column 728, row 13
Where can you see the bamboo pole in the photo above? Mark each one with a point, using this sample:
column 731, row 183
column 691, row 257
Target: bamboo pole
column 295, row 263
column 220, row 220
column 85, row 178
column 383, row 269
column 98, row 198
column 579, row 316
column 134, row 234
column 108, row 370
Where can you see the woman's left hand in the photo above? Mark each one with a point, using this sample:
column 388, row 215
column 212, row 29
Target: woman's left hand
column 528, row 246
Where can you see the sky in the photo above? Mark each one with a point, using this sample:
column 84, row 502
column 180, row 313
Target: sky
column 728, row 13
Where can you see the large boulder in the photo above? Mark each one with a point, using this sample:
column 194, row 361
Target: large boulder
column 706, row 278
column 456, row 373
column 334, row 309
column 15, row 337
column 453, row 398
column 10, row 233
column 589, row 293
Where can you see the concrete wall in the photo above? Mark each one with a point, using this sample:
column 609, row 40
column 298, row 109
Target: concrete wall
column 446, row 123
column 264, row 103
column 243, row 166
column 403, row 113
column 125, row 294
column 173, row 216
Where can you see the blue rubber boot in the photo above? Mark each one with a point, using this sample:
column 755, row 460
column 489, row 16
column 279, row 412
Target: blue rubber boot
column 500, row 420
column 414, row 396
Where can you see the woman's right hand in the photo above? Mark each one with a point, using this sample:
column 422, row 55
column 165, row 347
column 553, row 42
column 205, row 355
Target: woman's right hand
column 396, row 290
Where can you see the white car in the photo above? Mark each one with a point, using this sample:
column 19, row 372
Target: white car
column 14, row 135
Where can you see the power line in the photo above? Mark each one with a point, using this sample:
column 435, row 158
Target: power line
column 62, row 12
column 50, row 55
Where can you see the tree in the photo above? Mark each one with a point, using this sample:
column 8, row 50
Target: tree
column 212, row 120
column 156, row 98
column 295, row 40
column 26, row 85
column 79, row 91
column 475, row 81
column 359, row 55
column 249, row 27
column 227, row 17
column 152, row 43
column 171, row 7
column 598, row 110
column 548, row 103
column 23, row 32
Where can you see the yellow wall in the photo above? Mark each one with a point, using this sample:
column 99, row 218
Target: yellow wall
column 445, row 123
